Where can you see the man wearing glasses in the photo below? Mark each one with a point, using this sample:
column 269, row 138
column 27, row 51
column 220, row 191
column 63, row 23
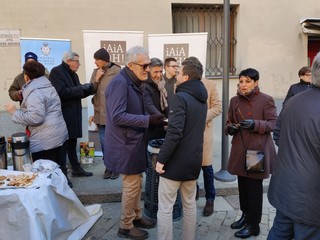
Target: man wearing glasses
column 66, row 82
column 125, row 145
column 170, row 67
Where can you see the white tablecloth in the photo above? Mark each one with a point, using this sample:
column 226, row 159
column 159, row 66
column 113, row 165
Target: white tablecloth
column 48, row 210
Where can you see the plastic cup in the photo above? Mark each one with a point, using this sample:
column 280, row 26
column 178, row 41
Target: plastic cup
column 27, row 167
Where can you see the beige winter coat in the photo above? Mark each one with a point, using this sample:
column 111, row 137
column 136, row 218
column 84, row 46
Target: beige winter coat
column 214, row 110
column 98, row 100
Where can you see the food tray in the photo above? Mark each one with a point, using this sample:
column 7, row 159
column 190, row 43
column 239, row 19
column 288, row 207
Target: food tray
column 18, row 180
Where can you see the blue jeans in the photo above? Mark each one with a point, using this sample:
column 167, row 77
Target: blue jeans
column 208, row 180
column 101, row 131
column 285, row 228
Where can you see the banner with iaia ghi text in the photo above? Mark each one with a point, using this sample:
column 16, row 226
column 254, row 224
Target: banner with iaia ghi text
column 116, row 43
column 179, row 46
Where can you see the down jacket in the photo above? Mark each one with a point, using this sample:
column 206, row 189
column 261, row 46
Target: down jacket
column 261, row 108
column 41, row 112
column 181, row 151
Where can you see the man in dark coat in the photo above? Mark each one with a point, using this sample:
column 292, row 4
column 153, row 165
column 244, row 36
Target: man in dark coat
column 66, row 81
column 15, row 90
column 170, row 66
column 125, row 145
column 294, row 188
column 155, row 96
column 180, row 157
column 305, row 81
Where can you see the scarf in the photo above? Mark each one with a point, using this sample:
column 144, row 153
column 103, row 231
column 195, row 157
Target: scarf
column 163, row 94
column 136, row 81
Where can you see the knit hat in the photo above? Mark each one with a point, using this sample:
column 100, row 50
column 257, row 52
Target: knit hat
column 31, row 55
column 102, row 54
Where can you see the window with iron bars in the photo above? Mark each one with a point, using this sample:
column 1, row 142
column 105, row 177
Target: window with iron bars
column 190, row 18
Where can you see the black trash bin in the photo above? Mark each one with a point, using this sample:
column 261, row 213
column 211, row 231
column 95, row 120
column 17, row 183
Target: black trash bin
column 152, row 185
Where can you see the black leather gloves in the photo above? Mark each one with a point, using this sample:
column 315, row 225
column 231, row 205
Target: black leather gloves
column 157, row 120
column 232, row 129
column 87, row 88
column 248, row 123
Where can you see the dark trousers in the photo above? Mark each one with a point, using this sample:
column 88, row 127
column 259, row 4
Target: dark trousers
column 250, row 196
column 208, row 180
column 285, row 228
column 70, row 147
column 51, row 154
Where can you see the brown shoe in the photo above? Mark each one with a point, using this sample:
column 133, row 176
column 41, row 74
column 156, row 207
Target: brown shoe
column 208, row 208
column 144, row 223
column 133, row 233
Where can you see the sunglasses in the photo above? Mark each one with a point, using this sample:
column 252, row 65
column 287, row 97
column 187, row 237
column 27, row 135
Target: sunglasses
column 144, row 66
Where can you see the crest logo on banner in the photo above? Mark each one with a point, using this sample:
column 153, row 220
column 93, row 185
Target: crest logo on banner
column 49, row 51
column 179, row 51
column 45, row 49
column 116, row 49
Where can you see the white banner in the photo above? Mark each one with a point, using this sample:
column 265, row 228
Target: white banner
column 179, row 46
column 9, row 38
column 115, row 42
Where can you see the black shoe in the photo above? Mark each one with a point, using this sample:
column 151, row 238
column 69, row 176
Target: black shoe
column 114, row 175
column 144, row 223
column 133, row 233
column 80, row 172
column 240, row 223
column 107, row 174
column 248, row 231
column 208, row 208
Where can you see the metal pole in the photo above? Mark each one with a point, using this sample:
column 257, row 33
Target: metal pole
column 223, row 175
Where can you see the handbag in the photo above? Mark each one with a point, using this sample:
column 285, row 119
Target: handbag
column 254, row 161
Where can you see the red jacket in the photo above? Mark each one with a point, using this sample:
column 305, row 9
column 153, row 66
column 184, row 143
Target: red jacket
column 261, row 108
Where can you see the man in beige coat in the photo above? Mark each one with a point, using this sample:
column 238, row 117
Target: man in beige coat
column 101, row 76
column 214, row 110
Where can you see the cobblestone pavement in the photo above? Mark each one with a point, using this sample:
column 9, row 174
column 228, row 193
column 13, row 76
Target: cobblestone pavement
column 107, row 192
column 215, row 227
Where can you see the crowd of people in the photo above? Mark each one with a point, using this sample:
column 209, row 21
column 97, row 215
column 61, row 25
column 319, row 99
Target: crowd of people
column 151, row 99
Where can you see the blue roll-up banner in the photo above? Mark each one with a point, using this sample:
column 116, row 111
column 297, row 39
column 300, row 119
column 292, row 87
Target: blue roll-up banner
column 49, row 51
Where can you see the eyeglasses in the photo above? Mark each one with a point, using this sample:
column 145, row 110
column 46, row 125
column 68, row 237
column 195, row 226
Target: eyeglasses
column 75, row 60
column 144, row 66
column 174, row 66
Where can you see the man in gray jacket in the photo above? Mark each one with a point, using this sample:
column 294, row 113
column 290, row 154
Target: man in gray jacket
column 294, row 187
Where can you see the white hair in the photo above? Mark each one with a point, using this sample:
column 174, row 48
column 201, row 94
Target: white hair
column 69, row 56
column 132, row 54
column 315, row 70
